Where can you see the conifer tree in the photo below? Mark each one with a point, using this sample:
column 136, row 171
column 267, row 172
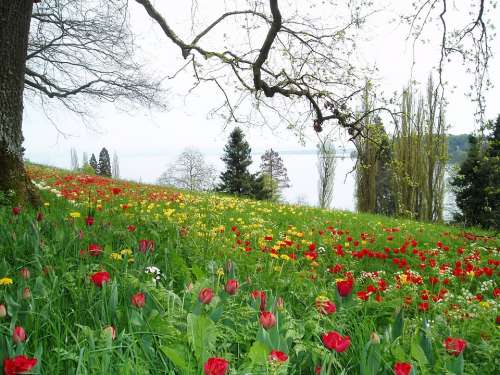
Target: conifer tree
column 93, row 164
column 104, row 163
column 236, row 179
column 477, row 183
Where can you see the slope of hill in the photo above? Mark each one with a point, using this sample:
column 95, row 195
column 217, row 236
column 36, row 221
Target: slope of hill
column 114, row 277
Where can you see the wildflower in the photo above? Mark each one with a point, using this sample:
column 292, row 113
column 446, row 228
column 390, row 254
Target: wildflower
column 216, row 366
column 6, row 281
column 267, row 319
column 115, row 256
column 126, row 252
column 75, row 214
column 334, row 341
column 18, row 365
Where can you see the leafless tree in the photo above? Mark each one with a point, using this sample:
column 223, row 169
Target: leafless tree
column 80, row 51
column 190, row 172
column 326, row 170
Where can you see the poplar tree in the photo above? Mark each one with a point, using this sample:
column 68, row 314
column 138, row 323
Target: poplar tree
column 272, row 165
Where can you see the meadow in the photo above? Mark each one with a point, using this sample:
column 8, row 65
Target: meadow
column 114, row 277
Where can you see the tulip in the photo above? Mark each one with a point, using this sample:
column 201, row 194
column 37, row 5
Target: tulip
column 89, row 221
column 454, row 346
column 18, row 335
column 100, row 278
column 111, row 331
column 232, row 287
column 344, row 287
column 18, row 365
column 334, row 341
column 277, row 356
column 25, row 273
column 26, row 293
column 402, row 368
column 138, row 300
column 267, row 319
column 16, row 211
column 206, row 295
column 216, row 366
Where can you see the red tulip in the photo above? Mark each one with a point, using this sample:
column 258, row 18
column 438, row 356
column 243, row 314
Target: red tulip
column 94, row 249
column 232, row 287
column 18, row 365
column 334, row 341
column 25, row 273
column 262, row 296
column 18, row 335
column 402, row 368
column 216, row 366
column 146, row 245
column 100, row 278
column 267, row 319
column 277, row 356
column 206, row 295
column 39, row 216
column 326, row 307
column 89, row 220
column 131, row 228
column 26, row 293
column 454, row 346
column 344, row 287
column 138, row 300
column 16, row 211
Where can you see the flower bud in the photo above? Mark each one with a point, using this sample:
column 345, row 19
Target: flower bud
column 111, row 331
column 18, row 335
column 375, row 338
column 26, row 293
column 232, row 287
column 267, row 319
column 3, row 311
column 206, row 295
column 25, row 273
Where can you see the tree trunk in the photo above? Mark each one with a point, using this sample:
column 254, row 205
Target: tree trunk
column 15, row 17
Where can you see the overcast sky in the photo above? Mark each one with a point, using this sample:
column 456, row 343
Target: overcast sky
column 146, row 141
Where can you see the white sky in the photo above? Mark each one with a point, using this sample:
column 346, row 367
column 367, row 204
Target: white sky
column 146, row 141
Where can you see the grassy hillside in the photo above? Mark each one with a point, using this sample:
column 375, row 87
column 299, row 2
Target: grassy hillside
column 113, row 277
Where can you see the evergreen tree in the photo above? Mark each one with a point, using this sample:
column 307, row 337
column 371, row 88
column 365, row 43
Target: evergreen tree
column 93, row 164
column 477, row 183
column 104, row 163
column 236, row 179
column 272, row 166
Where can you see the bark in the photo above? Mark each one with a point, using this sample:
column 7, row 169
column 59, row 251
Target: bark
column 15, row 19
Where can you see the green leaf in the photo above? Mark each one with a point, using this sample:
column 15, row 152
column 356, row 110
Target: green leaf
column 113, row 299
column 397, row 327
column 177, row 356
column 202, row 336
column 258, row 353
column 418, row 354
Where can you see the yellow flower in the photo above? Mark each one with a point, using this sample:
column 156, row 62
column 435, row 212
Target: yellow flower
column 126, row 252
column 485, row 304
column 278, row 268
column 46, row 204
column 285, row 257
column 470, row 273
column 273, row 255
column 74, row 214
column 115, row 256
column 322, row 298
column 6, row 281
column 220, row 272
